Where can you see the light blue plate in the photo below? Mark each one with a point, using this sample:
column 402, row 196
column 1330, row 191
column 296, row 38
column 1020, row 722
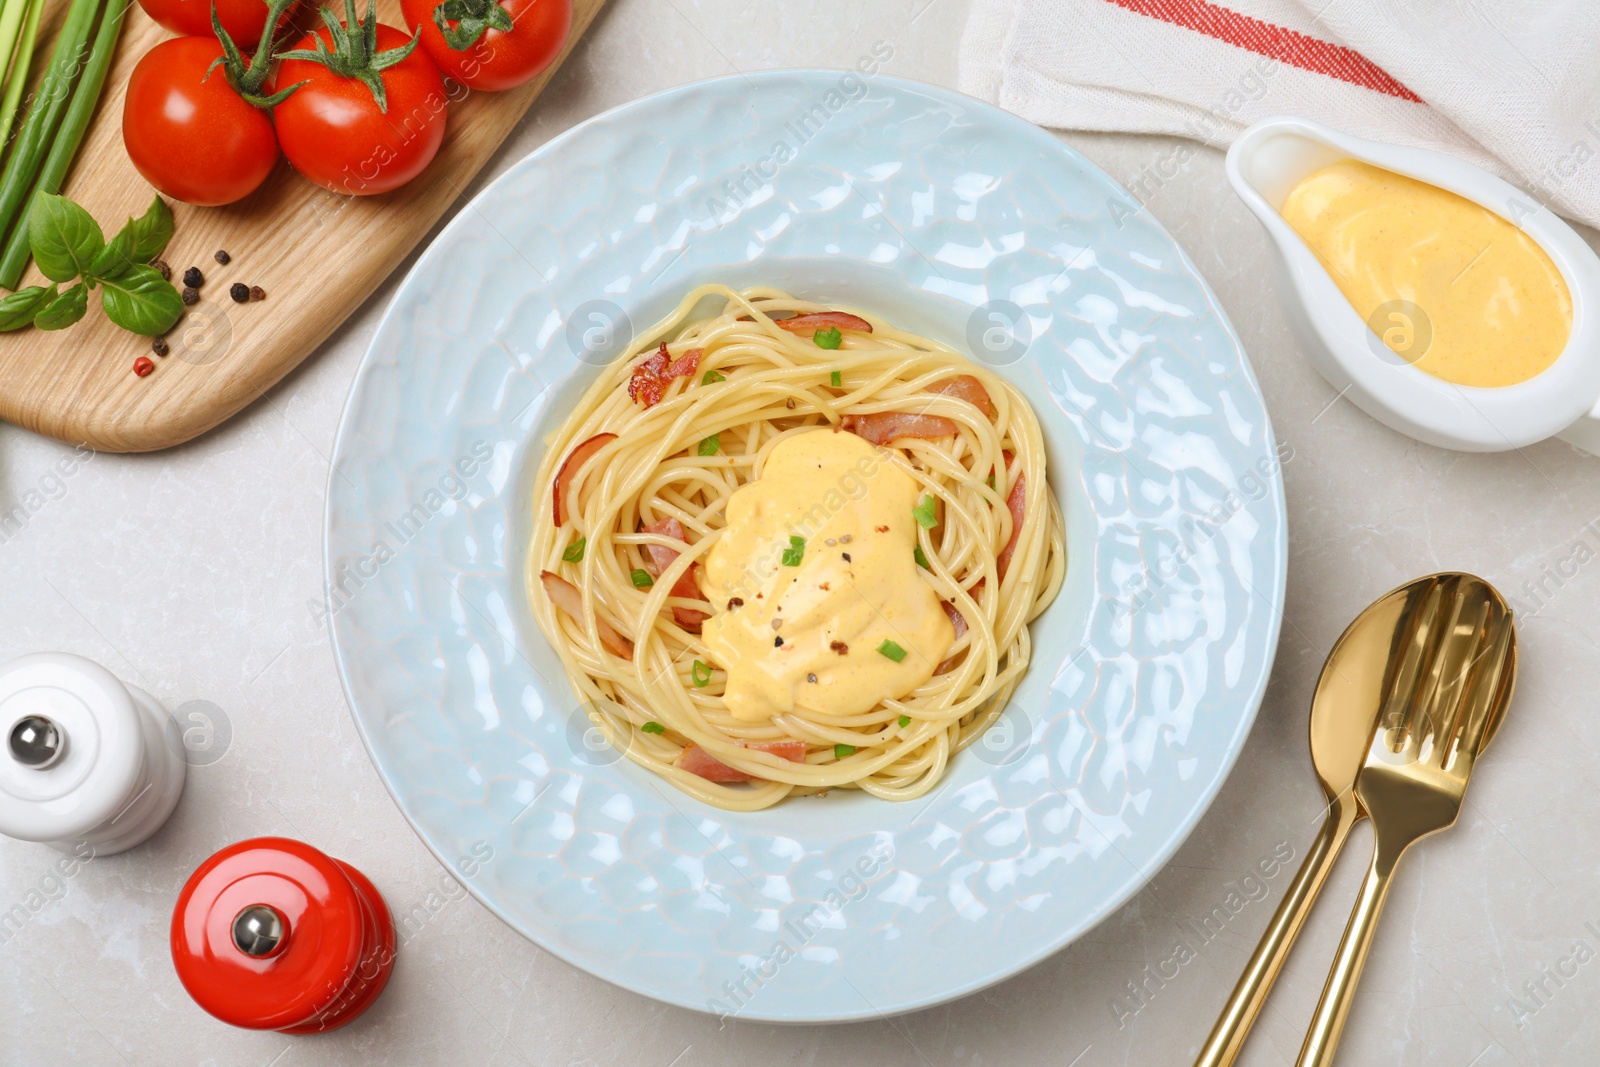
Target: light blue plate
column 955, row 220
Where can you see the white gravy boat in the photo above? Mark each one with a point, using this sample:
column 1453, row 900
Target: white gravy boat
column 1271, row 157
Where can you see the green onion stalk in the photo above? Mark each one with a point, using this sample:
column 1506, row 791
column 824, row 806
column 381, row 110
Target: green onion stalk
column 17, row 79
column 13, row 15
column 74, row 124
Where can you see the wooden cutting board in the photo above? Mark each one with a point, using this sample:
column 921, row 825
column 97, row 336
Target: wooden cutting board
column 318, row 255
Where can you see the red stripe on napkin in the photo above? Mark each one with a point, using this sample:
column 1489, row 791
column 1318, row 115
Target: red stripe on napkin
column 1275, row 42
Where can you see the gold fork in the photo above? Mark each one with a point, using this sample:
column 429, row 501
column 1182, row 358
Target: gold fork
column 1450, row 690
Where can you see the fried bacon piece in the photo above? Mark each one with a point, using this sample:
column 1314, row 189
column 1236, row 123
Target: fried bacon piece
column 1017, row 504
column 959, row 621
column 882, row 427
column 697, row 760
column 657, row 558
column 572, row 465
column 966, row 387
column 564, row 595
column 813, row 321
column 651, row 377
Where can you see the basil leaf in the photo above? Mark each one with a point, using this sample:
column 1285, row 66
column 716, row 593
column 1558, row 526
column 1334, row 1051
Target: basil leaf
column 149, row 233
column 18, row 309
column 65, row 238
column 115, row 257
column 140, row 300
column 65, row 309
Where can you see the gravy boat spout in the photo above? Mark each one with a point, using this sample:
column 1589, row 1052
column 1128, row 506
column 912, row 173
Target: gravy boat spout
column 1271, row 157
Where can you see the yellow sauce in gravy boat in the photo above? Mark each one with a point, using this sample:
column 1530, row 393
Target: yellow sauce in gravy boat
column 1444, row 302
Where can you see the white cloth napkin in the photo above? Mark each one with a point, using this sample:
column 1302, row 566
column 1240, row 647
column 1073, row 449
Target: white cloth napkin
column 1511, row 85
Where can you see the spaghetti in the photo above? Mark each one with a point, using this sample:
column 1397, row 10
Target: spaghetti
column 637, row 492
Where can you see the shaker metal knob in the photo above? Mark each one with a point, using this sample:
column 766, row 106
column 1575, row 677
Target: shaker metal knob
column 37, row 742
column 258, row 930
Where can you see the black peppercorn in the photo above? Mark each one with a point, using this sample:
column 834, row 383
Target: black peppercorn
column 191, row 295
column 222, row 257
column 193, row 278
column 239, row 291
column 161, row 268
column 257, row 293
column 159, row 346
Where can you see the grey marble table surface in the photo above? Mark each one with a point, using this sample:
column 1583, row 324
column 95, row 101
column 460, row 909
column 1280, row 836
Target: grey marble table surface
column 190, row 572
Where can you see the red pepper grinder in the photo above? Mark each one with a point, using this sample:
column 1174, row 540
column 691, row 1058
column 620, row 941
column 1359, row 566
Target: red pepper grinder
column 271, row 934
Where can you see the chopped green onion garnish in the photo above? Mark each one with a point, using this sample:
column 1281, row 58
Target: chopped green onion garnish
column 574, row 552
column 701, row 674
column 991, row 481
column 653, row 727
column 926, row 516
column 836, row 379
column 828, row 338
column 892, row 650
column 711, row 444
column 711, row 376
column 905, row 720
column 642, row 579
column 795, row 552
column 921, row 557
column 841, row 751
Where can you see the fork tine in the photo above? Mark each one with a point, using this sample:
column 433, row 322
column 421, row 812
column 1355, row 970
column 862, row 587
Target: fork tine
column 1404, row 684
column 1494, row 671
column 1448, row 654
column 1472, row 636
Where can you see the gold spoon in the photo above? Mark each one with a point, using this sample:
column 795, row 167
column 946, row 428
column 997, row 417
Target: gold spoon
column 1344, row 713
column 1449, row 692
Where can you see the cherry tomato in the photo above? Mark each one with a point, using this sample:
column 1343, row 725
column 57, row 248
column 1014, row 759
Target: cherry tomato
column 243, row 19
column 333, row 132
column 192, row 136
column 498, row 59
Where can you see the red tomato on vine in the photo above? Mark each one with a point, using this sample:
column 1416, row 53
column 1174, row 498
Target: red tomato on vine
column 194, row 120
column 245, row 20
column 368, row 112
column 491, row 44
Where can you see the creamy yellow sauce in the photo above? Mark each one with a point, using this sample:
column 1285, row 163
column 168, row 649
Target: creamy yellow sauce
column 857, row 584
column 1491, row 308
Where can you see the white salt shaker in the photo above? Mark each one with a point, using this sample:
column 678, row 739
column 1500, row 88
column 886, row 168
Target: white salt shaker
column 85, row 756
